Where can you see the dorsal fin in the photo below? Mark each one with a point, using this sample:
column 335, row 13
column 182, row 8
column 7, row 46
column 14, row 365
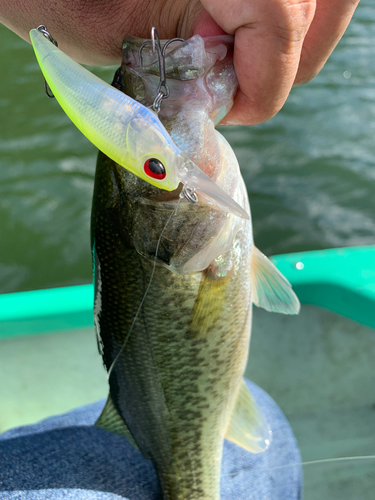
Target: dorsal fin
column 111, row 421
column 248, row 426
column 270, row 289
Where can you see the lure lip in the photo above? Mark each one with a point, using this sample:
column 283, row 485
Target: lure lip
column 192, row 177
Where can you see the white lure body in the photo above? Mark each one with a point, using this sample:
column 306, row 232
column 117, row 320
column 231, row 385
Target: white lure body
column 125, row 130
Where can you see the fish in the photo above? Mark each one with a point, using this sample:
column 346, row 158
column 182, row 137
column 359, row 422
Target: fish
column 175, row 282
column 127, row 131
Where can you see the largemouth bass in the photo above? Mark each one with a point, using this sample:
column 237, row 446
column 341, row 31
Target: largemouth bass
column 174, row 284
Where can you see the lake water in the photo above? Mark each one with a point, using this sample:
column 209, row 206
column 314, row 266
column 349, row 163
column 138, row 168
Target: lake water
column 310, row 171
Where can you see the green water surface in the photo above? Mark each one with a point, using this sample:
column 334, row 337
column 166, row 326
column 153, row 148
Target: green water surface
column 309, row 171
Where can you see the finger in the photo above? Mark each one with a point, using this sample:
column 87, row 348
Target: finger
column 268, row 41
column 92, row 32
column 329, row 24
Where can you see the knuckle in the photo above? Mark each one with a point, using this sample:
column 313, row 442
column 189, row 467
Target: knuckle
column 286, row 21
column 259, row 110
column 301, row 11
column 263, row 114
column 294, row 19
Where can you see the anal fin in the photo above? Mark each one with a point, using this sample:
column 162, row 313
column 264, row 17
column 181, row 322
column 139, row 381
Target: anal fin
column 248, row 426
column 111, row 421
column 270, row 289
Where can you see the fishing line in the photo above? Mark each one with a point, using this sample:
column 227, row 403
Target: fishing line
column 147, row 289
column 324, row 461
column 313, row 462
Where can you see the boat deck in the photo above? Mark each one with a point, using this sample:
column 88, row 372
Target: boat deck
column 318, row 366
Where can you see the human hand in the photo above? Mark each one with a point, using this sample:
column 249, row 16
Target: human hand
column 278, row 43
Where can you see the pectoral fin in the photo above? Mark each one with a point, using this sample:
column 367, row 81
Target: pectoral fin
column 208, row 304
column 111, row 421
column 248, row 427
column 270, row 289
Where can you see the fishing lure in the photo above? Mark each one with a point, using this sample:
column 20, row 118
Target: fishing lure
column 126, row 131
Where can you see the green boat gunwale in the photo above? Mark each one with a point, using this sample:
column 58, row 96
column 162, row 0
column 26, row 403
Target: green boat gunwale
column 340, row 279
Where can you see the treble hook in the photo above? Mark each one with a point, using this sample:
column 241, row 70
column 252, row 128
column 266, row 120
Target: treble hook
column 162, row 91
column 45, row 32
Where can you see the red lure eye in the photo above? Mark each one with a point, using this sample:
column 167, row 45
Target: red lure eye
column 154, row 168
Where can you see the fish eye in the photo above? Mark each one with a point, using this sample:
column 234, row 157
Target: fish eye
column 154, row 168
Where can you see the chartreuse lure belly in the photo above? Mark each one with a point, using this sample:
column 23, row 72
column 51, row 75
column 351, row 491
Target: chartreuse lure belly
column 125, row 130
